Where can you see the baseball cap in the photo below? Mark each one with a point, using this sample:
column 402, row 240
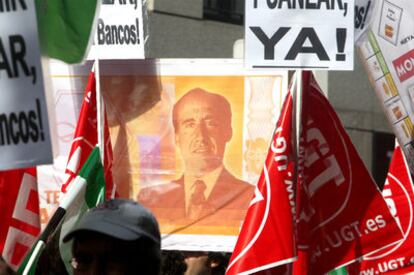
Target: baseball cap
column 119, row 218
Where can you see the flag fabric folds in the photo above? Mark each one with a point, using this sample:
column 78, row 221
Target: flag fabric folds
column 340, row 215
column 398, row 192
column 269, row 221
column 19, row 214
column 65, row 28
column 87, row 191
column 82, row 150
column 86, row 138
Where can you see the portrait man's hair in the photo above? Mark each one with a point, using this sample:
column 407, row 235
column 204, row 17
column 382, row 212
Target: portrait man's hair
column 218, row 102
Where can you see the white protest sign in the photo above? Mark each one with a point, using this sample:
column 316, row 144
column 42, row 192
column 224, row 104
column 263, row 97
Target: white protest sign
column 119, row 31
column 24, row 128
column 308, row 34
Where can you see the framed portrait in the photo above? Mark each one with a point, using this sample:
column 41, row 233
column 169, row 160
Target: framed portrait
column 190, row 137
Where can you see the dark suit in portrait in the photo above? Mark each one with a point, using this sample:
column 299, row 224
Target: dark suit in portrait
column 226, row 205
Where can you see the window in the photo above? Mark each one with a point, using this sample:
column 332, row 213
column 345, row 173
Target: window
column 230, row 11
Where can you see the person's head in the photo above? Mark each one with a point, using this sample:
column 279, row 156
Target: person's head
column 202, row 123
column 117, row 237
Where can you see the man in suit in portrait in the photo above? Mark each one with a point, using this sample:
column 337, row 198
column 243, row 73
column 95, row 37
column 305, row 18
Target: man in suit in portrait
column 207, row 193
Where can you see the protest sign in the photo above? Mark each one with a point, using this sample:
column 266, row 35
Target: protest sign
column 119, row 31
column 299, row 34
column 24, row 128
column 388, row 55
column 363, row 15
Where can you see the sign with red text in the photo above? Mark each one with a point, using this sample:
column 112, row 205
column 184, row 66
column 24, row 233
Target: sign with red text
column 388, row 56
column 404, row 66
column 299, row 34
column 24, row 128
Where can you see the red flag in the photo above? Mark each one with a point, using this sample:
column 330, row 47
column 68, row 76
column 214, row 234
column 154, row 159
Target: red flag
column 266, row 238
column 341, row 213
column 19, row 214
column 399, row 194
column 86, row 138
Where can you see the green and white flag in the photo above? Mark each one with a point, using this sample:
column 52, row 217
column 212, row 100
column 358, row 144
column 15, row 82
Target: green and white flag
column 87, row 191
column 65, row 28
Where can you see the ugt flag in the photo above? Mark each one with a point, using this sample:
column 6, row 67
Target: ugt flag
column 19, row 214
column 86, row 138
column 266, row 239
column 398, row 192
column 341, row 213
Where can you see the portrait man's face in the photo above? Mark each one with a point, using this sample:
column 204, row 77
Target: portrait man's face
column 201, row 132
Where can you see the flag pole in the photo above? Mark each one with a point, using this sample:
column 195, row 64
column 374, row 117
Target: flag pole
column 99, row 110
column 298, row 107
column 296, row 90
column 296, row 131
column 50, row 229
column 100, row 116
column 293, row 89
column 40, row 245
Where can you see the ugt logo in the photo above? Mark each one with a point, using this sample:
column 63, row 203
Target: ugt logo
column 24, row 224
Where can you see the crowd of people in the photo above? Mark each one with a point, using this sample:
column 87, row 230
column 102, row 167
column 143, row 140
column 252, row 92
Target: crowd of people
column 121, row 236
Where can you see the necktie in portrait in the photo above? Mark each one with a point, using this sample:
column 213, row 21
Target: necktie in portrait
column 197, row 200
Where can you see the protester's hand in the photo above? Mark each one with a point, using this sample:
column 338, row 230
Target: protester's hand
column 197, row 263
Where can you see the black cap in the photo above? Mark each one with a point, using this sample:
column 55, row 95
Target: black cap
column 119, row 218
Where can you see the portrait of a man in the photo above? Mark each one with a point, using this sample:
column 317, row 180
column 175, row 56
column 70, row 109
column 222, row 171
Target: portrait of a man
column 206, row 193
